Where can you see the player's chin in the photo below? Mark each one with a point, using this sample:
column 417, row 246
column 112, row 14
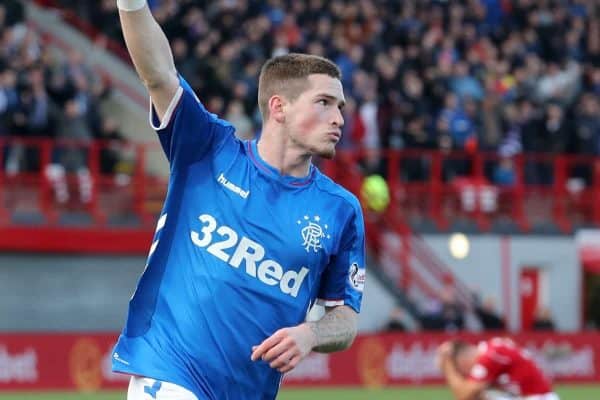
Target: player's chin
column 327, row 151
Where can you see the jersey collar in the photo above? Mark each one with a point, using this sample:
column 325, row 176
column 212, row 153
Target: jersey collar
column 251, row 147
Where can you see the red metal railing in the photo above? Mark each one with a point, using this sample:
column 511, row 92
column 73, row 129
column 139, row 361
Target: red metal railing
column 560, row 189
column 543, row 191
column 544, row 188
column 109, row 196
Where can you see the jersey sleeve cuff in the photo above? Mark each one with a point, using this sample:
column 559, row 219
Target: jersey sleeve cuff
column 155, row 122
column 330, row 303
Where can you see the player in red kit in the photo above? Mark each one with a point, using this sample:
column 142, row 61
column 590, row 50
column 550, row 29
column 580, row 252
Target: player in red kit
column 493, row 366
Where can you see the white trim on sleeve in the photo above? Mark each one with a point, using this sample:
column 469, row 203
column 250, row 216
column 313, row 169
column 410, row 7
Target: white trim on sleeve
column 330, row 303
column 169, row 113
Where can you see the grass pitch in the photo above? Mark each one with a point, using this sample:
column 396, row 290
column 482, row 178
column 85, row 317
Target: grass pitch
column 570, row 392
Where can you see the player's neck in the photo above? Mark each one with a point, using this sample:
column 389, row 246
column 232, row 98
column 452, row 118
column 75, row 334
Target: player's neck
column 282, row 156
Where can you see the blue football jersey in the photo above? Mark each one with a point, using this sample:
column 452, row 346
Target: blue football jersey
column 239, row 252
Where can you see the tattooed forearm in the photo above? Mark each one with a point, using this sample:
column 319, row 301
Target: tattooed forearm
column 336, row 330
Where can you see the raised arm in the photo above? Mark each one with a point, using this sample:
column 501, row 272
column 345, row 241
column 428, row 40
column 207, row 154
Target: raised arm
column 149, row 49
column 462, row 388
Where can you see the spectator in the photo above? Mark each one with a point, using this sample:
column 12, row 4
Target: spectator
column 444, row 314
column 504, row 173
column 587, row 125
column 111, row 142
column 29, row 117
column 353, row 131
column 396, row 321
column 488, row 315
column 107, row 16
column 13, row 12
column 238, row 118
column 71, row 154
column 430, row 318
column 556, row 129
column 452, row 312
column 543, row 320
column 464, row 84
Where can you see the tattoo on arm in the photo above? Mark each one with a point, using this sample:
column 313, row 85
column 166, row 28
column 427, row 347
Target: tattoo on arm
column 336, row 330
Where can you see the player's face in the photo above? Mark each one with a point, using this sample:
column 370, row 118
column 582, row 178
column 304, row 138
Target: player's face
column 465, row 361
column 314, row 120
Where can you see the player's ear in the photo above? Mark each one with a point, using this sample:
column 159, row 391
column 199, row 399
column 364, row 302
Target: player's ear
column 277, row 108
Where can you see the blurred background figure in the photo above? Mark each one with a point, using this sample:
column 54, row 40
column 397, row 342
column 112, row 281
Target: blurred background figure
column 543, row 320
column 488, row 315
column 396, row 321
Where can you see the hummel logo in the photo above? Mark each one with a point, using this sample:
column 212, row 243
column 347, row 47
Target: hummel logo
column 235, row 189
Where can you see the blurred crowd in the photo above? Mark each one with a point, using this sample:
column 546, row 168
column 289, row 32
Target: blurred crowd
column 505, row 76
column 49, row 94
column 446, row 314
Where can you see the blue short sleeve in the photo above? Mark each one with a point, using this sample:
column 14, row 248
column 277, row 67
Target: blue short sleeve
column 188, row 131
column 343, row 280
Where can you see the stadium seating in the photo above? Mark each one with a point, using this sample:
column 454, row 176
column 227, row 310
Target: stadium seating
column 483, row 116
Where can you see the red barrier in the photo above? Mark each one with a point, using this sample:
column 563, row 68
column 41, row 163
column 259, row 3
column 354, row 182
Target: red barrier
column 76, row 240
column 82, row 361
column 392, row 359
column 58, row 362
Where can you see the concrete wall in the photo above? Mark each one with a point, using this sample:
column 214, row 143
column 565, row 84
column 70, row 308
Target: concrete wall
column 53, row 293
column 47, row 292
column 494, row 264
column 377, row 305
column 58, row 292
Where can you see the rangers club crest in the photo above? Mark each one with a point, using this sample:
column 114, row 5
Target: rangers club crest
column 312, row 233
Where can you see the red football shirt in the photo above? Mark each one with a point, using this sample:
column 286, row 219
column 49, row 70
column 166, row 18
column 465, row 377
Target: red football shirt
column 505, row 366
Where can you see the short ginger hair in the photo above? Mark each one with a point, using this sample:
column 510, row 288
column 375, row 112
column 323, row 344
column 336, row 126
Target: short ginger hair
column 288, row 75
